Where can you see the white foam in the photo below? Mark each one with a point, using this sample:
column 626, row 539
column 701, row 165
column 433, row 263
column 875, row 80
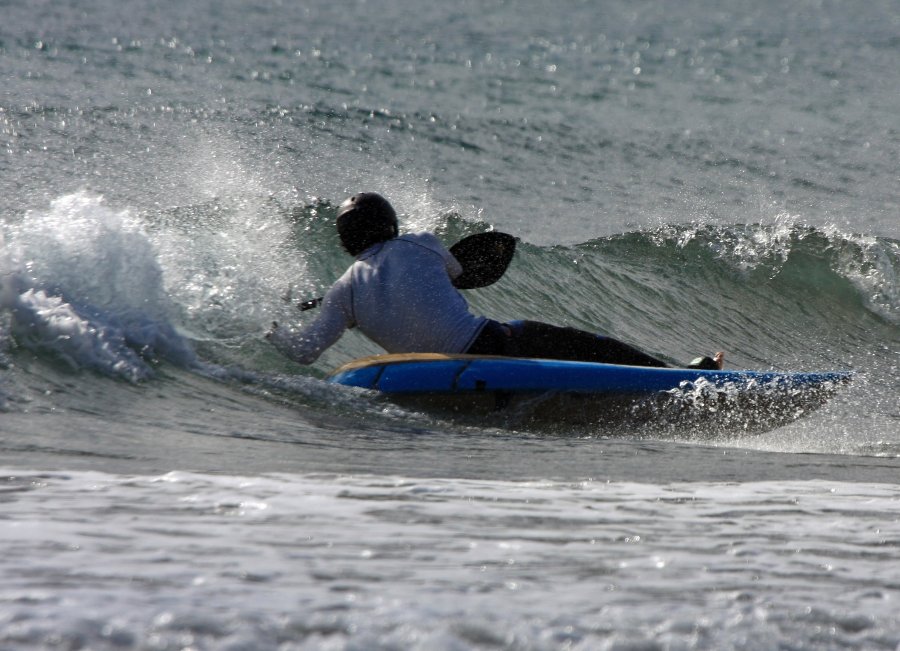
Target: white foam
column 82, row 282
column 322, row 561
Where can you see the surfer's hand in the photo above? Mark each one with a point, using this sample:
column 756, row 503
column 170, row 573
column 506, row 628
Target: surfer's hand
column 272, row 330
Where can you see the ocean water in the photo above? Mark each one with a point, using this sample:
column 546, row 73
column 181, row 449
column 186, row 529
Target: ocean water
column 687, row 176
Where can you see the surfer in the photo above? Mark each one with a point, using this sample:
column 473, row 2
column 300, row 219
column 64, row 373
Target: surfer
column 399, row 292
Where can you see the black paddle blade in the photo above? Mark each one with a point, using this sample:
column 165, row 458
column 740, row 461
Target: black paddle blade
column 484, row 258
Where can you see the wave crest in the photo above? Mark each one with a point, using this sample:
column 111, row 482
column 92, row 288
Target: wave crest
column 81, row 282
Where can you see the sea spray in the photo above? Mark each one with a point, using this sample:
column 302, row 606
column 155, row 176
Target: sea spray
column 82, row 283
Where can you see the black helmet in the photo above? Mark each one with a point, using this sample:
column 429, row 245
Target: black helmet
column 365, row 219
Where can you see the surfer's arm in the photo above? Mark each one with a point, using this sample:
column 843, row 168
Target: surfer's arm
column 306, row 345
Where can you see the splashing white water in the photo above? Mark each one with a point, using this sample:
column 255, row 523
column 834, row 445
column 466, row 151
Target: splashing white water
column 82, row 283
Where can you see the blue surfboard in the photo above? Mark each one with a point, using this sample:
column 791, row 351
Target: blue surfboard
column 532, row 390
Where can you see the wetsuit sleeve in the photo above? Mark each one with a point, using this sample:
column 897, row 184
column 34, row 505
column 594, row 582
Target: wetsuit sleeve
column 305, row 346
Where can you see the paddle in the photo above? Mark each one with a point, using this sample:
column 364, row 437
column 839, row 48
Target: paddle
column 484, row 258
